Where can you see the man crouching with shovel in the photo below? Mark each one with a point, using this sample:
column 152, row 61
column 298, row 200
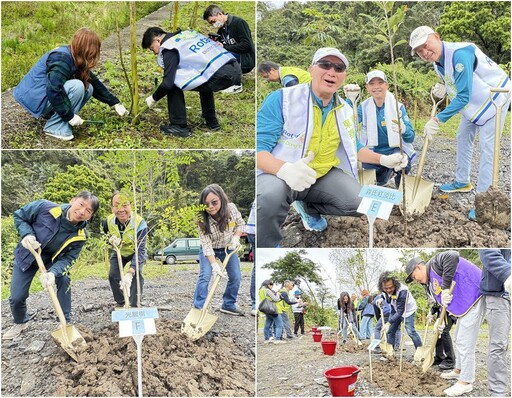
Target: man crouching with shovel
column 121, row 226
column 464, row 302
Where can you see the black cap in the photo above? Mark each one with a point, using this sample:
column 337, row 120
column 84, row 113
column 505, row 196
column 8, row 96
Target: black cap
column 411, row 266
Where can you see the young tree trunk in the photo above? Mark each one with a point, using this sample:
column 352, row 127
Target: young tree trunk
column 176, row 16
column 193, row 18
column 133, row 57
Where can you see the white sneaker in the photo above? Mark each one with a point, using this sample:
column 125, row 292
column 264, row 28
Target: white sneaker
column 452, row 375
column 233, row 89
column 14, row 331
column 279, row 342
column 60, row 137
column 458, row 389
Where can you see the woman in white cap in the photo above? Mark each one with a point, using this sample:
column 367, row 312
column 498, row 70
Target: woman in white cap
column 468, row 76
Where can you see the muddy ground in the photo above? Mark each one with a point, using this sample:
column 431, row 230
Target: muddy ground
column 444, row 223
column 297, row 369
column 219, row 364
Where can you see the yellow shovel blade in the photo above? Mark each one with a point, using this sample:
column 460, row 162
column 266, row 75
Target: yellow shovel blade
column 196, row 324
column 416, row 202
column 69, row 338
column 387, row 349
column 420, row 353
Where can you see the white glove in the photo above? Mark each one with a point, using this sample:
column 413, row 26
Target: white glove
column 439, row 90
column 30, row 241
column 431, row 129
column 76, row 121
column 120, row 109
column 392, row 161
column 379, row 302
column 385, row 328
column 126, row 281
column 47, row 279
column 403, row 163
column 114, row 241
column 235, row 242
column 351, row 91
column 217, row 271
column 430, row 318
column 150, row 101
column 394, row 127
column 439, row 325
column 446, row 297
column 298, row 175
column 508, row 284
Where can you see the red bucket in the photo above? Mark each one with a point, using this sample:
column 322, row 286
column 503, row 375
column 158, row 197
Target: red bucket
column 317, row 337
column 329, row 347
column 314, row 330
column 342, row 380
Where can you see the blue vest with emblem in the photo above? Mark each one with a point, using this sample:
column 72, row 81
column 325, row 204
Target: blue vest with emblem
column 31, row 91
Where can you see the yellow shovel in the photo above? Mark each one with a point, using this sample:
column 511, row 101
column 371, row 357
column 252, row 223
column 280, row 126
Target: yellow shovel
column 121, row 272
column 418, row 192
column 420, row 353
column 386, row 348
column 351, row 331
column 67, row 336
column 198, row 322
column 429, row 354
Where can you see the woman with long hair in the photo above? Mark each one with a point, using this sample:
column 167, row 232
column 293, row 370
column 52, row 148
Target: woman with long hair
column 220, row 227
column 61, row 82
column 347, row 314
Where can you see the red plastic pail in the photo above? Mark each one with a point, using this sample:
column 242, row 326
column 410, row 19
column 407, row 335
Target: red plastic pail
column 317, row 337
column 342, row 380
column 329, row 347
column 314, row 330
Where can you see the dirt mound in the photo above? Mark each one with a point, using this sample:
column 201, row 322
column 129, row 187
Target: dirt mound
column 493, row 207
column 411, row 381
column 172, row 366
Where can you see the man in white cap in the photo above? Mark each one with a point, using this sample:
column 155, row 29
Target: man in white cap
column 468, row 75
column 380, row 131
column 307, row 153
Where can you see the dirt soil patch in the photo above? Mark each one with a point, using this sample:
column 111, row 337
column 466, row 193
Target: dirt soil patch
column 444, row 223
column 219, row 364
column 297, row 369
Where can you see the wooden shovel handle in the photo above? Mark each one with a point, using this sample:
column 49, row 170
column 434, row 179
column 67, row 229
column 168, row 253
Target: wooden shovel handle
column 50, row 289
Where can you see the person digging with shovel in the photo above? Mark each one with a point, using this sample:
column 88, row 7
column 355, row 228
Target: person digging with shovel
column 183, row 56
column 61, row 83
column 347, row 316
column 121, row 227
column 307, row 152
column 220, row 227
column 437, row 275
column 380, row 130
column 403, row 307
column 59, row 231
column 468, row 76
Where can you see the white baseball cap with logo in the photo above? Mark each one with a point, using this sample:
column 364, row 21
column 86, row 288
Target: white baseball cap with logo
column 326, row 51
column 376, row 74
column 419, row 37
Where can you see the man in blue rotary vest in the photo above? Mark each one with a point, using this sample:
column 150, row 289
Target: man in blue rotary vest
column 121, row 227
column 307, row 151
column 465, row 303
column 468, row 75
column 191, row 62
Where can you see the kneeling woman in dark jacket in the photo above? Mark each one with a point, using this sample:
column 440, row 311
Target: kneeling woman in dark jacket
column 61, row 83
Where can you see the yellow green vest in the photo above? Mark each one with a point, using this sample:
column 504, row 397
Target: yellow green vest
column 302, row 75
column 128, row 239
column 281, row 305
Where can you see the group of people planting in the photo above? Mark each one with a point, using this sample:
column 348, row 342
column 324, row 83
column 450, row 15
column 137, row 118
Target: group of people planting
column 308, row 149
column 62, row 81
column 58, row 233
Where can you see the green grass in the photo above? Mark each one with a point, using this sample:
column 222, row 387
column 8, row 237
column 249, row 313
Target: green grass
column 152, row 270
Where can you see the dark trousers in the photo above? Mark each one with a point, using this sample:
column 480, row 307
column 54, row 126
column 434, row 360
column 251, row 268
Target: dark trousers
column 114, row 278
column 227, row 76
column 299, row 322
column 20, row 286
column 444, row 346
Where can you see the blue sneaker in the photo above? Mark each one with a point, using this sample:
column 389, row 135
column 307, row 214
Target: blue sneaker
column 456, row 187
column 311, row 223
column 472, row 215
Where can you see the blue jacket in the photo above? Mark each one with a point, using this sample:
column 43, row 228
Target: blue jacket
column 42, row 219
column 495, row 272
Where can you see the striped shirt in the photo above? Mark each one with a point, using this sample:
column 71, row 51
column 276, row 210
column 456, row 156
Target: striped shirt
column 217, row 239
